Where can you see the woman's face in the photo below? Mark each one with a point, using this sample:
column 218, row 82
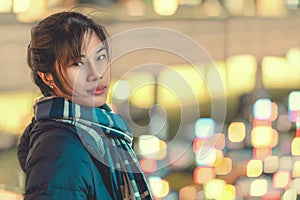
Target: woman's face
column 89, row 77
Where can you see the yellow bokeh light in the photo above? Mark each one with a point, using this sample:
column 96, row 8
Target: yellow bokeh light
column 258, row 187
column 296, row 169
column 16, row 111
column 229, row 193
column 224, row 167
column 289, row 194
column 162, row 153
column 293, row 57
column 294, row 101
column 167, row 98
column 121, row 90
column 274, row 8
column 261, row 136
column 164, row 190
column 295, row 185
column 143, row 97
column 214, row 188
column 36, row 11
column 296, row 146
column 277, row 74
column 241, row 79
column 219, row 157
column 159, row 187
column 21, row 5
column 165, row 7
column 189, row 87
column 5, row 6
column 148, row 146
column 281, row 179
column 236, row 132
column 254, row 168
column 155, row 183
column 141, row 87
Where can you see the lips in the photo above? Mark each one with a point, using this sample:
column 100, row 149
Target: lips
column 98, row 90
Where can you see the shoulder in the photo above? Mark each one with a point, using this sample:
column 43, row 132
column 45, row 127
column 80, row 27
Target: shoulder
column 57, row 140
column 57, row 161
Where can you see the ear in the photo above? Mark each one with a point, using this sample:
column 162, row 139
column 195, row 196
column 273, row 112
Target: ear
column 46, row 77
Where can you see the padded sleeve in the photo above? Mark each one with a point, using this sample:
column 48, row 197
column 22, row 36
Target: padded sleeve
column 58, row 168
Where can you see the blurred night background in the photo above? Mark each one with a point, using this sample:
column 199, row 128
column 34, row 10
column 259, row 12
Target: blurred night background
column 253, row 152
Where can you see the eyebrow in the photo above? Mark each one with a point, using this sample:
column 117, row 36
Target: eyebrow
column 99, row 50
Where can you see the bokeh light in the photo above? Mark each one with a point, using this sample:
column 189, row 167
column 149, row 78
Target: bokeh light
column 203, row 174
column 294, row 101
column 159, row 187
column 224, row 167
column 148, row 165
column 296, row 146
column 121, row 90
column 187, row 193
column 214, row 188
column 236, row 131
column 258, row 187
column 6, row 6
column 296, row 169
column 205, row 127
column 262, row 109
column 281, row 179
column 271, row 164
column 261, row 136
column 148, row 146
column 289, row 194
column 254, row 168
column 206, row 156
column 165, row 7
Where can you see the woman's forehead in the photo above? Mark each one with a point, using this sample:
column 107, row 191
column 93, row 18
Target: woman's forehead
column 91, row 44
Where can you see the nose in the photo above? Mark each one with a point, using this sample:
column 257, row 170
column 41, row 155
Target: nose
column 93, row 77
column 93, row 74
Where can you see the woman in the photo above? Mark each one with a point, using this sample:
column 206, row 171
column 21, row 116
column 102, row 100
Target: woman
column 76, row 147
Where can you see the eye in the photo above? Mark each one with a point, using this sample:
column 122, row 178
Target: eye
column 77, row 64
column 101, row 57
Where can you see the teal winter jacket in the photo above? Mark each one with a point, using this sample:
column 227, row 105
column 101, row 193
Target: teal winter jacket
column 57, row 165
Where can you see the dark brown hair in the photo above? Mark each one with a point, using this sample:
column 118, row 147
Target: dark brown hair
column 57, row 40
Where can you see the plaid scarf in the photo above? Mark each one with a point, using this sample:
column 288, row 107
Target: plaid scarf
column 106, row 137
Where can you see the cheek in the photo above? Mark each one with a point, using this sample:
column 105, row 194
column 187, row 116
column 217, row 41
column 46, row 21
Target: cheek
column 107, row 76
column 75, row 77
